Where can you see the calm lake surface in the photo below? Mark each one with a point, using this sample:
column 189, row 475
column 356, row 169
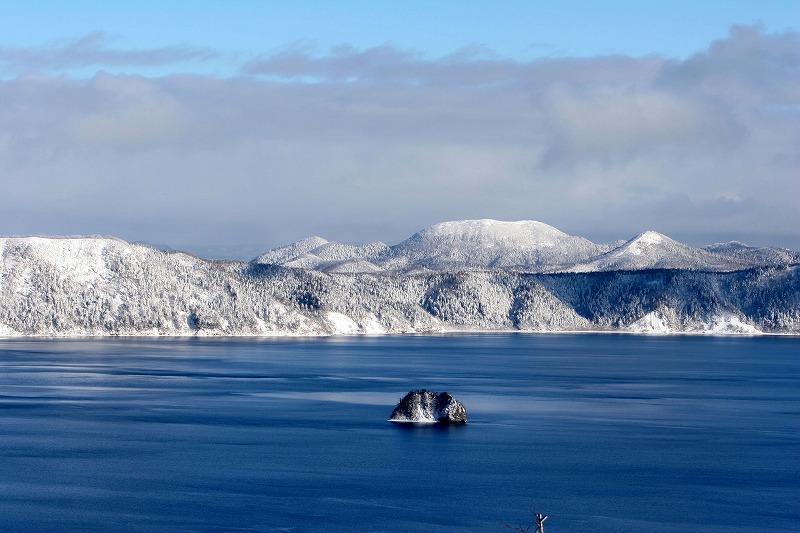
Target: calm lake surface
column 599, row 432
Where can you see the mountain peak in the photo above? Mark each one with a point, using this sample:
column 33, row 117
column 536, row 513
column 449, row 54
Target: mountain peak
column 525, row 234
column 313, row 242
column 649, row 241
column 651, row 237
column 488, row 243
column 285, row 253
column 655, row 250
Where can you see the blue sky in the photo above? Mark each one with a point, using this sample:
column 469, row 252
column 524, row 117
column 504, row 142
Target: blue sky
column 251, row 122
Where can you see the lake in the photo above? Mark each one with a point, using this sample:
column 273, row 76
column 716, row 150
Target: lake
column 599, row 432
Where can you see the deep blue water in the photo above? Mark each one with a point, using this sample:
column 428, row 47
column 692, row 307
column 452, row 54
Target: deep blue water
column 599, row 432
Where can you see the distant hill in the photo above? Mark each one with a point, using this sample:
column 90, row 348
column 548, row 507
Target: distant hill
column 524, row 246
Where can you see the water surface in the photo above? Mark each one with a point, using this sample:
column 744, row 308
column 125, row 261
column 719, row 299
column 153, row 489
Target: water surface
column 600, row 432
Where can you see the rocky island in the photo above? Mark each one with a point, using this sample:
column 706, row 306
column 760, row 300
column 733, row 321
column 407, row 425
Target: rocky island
column 423, row 406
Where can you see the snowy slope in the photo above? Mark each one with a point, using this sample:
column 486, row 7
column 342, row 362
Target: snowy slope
column 653, row 250
column 524, row 246
column 321, row 254
column 291, row 252
column 467, row 244
column 103, row 286
column 767, row 256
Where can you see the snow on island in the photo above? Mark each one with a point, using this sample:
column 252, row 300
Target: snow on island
column 426, row 407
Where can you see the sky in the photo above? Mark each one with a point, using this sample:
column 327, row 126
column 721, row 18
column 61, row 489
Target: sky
column 251, row 124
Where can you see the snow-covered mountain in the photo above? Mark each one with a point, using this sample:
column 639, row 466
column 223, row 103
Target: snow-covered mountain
column 524, row 246
column 653, row 250
column 467, row 244
column 751, row 255
column 489, row 244
column 105, row 286
column 321, row 254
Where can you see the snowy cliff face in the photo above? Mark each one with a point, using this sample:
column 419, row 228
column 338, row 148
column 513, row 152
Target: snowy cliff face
column 102, row 286
column 524, row 246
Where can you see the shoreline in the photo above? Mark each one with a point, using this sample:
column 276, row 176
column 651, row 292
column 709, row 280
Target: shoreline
column 441, row 333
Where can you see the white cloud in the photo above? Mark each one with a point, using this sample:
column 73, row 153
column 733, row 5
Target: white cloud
column 92, row 50
column 130, row 112
column 376, row 144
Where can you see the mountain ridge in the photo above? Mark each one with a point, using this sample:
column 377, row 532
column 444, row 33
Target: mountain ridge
column 528, row 246
column 104, row 286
